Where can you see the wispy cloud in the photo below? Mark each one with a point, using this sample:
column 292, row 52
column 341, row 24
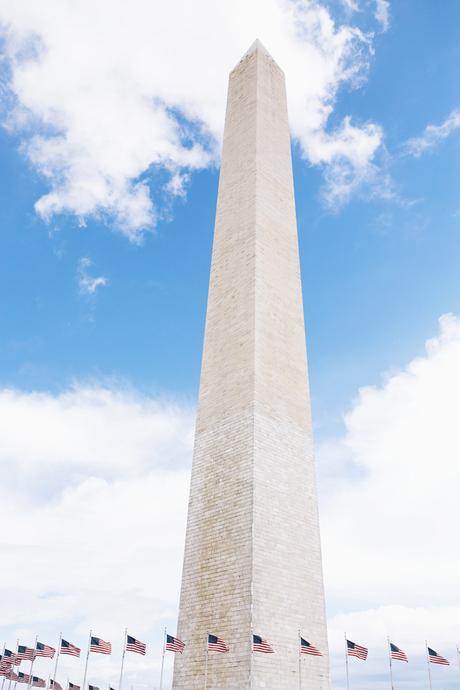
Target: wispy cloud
column 432, row 135
column 382, row 13
column 88, row 284
column 95, row 126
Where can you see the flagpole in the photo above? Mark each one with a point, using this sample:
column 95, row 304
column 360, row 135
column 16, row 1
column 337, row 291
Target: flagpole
column 12, row 666
column 252, row 656
column 32, row 663
column 428, row 664
column 163, row 659
column 391, row 664
column 122, row 659
column 346, row 662
column 86, row 663
column 300, row 661
column 3, row 657
column 57, row 656
column 206, row 663
column 458, row 656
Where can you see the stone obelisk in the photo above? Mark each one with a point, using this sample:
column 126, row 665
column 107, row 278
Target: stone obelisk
column 252, row 557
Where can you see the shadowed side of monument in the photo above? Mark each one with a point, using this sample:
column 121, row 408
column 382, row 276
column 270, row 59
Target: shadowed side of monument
column 252, row 559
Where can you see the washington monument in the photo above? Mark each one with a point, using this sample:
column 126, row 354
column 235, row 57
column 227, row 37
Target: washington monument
column 252, row 563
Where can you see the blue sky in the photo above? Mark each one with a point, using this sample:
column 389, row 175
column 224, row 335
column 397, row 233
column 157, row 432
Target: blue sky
column 379, row 261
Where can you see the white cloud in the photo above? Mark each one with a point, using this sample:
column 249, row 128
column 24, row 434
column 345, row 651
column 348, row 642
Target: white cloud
column 93, row 502
column 104, row 92
column 433, row 135
column 88, row 284
column 382, row 13
column 391, row 509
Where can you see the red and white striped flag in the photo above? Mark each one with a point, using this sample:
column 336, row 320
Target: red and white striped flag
column 215, row 644
column 72, row 686
column 23, row 654
column 261, row 645
column 307, row 648
column 398, row 654
column 24, row 678
column 93, row 687
column 8, row 657
column 133, row 645
column 436, row 658
column 99, row 646
column 67, row 648
column 173, row 644
column 38, row 682
column 44, row 650
column 54, row 685
column 354, row 649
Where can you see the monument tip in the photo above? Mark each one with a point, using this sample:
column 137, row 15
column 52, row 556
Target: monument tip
column 256, row 47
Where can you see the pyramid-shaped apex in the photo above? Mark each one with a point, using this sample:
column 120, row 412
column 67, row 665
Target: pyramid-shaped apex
column 256, row 47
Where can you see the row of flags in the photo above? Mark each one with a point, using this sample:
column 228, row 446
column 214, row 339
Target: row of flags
column 396, row 654
column 173, row 644
column 96, row 645
column 9, row 659
column 216, row 644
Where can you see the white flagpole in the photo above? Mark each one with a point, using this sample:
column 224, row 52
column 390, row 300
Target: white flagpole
column 206, row 663
column 12, row 667
column 458, row 657
column 391, row 664
column 252, row 657
column 86, row 664
column 32, row 663
column 58, row 651
column 300, row 661
column 163, row 660
column 346, row 662
column 428, row 664
column 123, row 658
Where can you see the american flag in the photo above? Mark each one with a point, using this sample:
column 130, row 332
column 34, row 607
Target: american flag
column 436, row 658
column 397, row 653
column 354, row 649
column 24, row 678
column 260, row 645
column 12, row 676
column 67, row 648
column 307, row 648
column 44, row 650
column 99, row 646
column 215, row 644
column 5, row 669
column 24, row 654
column 38, row 682
column 72, row 686
column 173, row 644
column 133, row 645
column 93, row 687
column 8, row 657
column 54, row 685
